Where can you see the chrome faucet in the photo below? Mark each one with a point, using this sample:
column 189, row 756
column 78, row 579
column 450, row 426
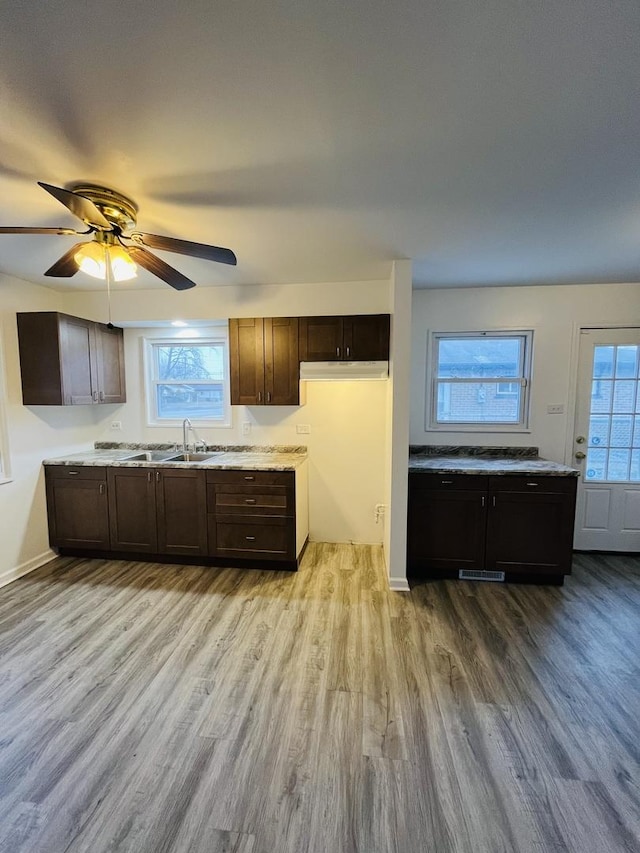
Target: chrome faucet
column 187, row 427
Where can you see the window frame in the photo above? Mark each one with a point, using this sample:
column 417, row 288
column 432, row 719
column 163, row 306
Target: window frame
column 434, row 384
column 220, row 337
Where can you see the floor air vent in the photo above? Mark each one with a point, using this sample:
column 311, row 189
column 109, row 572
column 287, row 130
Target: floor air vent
column 479, row 575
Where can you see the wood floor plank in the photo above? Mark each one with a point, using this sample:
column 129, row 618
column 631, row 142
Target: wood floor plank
column 183, row 709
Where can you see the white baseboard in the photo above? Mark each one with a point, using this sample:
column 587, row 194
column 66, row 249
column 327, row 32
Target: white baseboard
column 25, row 568
column 399, row 584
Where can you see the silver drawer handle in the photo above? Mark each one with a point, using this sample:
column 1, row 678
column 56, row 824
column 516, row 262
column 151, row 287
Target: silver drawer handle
column 249, row 478
column 73, row 473
column 250, row 500
column 533, row 484
column 446, row 482
column 250, row 538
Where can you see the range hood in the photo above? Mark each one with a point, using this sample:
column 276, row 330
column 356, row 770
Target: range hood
column 333, row 370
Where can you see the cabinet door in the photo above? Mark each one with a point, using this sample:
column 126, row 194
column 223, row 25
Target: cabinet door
column 282, row 367
column 321, row 339
column 132, row 509
column 246, row 356
column 109, row 355
column 77, row 507
column 530, row 532
column 77, row 356
column 366, row 337
column 446, row 530
column 181, row 511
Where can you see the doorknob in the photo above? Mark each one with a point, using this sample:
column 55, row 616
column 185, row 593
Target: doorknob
column 580, row 455
column 580, row 439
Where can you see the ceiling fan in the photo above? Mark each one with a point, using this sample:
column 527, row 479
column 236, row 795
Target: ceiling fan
column 107, row 215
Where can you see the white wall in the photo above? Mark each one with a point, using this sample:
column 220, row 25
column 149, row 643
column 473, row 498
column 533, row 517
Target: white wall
column 554, row 313
column 33, row 433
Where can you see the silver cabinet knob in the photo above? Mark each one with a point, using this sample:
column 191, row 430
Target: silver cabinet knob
column 580, row 455
column 580, row 439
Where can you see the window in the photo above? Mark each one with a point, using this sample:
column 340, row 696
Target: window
column 480, row 380
column 187, row 378
column 613, row 452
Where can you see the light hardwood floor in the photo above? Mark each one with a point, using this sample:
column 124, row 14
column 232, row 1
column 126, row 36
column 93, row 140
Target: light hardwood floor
column 164, row 709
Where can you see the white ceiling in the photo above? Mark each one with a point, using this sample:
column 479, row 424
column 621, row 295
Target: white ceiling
column 492, row 142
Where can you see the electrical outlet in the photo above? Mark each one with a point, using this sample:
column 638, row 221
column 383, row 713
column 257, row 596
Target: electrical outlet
column 116, row 425
column 555, row 409
column 303, row 429
column 246, row 427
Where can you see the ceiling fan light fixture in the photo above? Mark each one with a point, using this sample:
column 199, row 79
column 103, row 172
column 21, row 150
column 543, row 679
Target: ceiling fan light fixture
column 91, row 260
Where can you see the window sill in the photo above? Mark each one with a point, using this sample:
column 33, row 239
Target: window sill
column 4, row 480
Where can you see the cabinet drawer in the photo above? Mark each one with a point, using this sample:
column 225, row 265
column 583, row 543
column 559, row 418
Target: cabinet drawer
column 508, row 483
column 256, row 478
column 249, row 538
column 75, row 472
column 248, row 500
column 449, row 481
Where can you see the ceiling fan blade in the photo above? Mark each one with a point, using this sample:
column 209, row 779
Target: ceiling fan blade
column 10, row 230
column 80, row 206
column 65, row 266
column 186, row 247
column 155, row 265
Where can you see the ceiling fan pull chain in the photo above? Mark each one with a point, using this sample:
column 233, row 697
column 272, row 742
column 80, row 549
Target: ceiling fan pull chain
column 108, row 271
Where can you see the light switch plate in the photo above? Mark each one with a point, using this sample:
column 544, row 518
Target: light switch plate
column 116, row 425
column 303, row 429
column 246, row 427
column 555, row 409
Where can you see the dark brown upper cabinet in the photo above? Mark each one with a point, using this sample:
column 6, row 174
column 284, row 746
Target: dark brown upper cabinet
column 363, row 337
column 69, row 361
column 263, row 353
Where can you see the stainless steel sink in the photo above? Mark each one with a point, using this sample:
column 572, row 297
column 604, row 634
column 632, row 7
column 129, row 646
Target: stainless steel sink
column 148, row 456
column 190, row 457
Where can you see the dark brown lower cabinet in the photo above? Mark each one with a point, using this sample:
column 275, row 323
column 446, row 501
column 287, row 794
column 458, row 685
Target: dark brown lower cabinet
column 252, row 514
column 77, row 507
column 530, row 525
column 161, row 511
column 132, row 510
column 181, row 511
column 209, row 516
column 522, row 526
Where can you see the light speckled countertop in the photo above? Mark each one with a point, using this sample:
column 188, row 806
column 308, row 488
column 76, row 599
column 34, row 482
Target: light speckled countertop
column 496, row 461
column 237, row 457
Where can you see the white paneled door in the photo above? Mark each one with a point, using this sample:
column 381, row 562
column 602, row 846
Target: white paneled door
column 607, row 440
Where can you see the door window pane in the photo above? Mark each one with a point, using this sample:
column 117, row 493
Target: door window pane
column 598, row 430
column 601, row 391
column 621, row 431
column 624, row 393
column 634, row 474
column 596, row 464
column 626, row 362
column 603, row 362
column 618, row 467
